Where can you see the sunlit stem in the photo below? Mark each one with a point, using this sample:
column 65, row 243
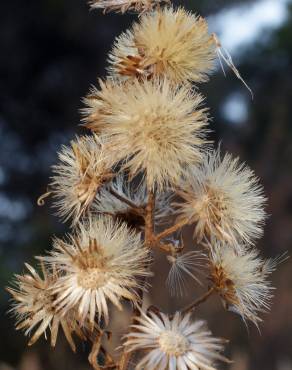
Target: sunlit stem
column 171, row 229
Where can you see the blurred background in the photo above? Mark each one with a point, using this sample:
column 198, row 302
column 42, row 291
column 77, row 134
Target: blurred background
column 51, row 52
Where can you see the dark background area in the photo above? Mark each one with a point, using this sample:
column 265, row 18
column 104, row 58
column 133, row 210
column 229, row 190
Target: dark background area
column 51, row 52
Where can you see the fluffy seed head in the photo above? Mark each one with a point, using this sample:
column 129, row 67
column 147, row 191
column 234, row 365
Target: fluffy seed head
column 152, row 126
column 241, row 280
column 34, row 306
column 101, row 262
column 176, row 343
column 168, row 42
column 122, row 6
column 224, row 199
column 83, row 169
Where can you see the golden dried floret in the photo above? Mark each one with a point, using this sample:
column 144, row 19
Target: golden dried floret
column 167, row 42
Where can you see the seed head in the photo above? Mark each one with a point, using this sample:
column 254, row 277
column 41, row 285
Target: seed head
column 224, row 199
column 152, row 126
column 122, row 6
column 167, row 42
column 34, row 306
column 83, row 169
column 241, row 280
column 101, row 262
column 176, row 343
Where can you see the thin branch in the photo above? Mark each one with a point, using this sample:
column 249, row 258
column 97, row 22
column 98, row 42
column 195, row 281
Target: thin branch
column 139, row 210
column 171, row 229
column 198, row 301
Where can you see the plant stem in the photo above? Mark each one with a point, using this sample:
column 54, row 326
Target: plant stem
column 198, row 301
column 149, row 231
column 149, row 218
column 93, row 356
column 171, row 229
column 139, row 210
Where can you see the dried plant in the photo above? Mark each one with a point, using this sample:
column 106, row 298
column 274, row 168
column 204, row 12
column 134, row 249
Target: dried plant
column 144, row 172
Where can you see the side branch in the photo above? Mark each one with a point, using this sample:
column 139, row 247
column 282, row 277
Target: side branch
column 171, row 229
column 139, row 210
column 198, row 301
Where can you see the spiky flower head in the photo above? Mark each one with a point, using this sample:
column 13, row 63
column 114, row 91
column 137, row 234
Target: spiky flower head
column 101, row 262
column 152, row 126
column 122, row 6
column 83, row 168
column 241, row 280
column 34, row 306
column 224, row 199
column 135, row 193
column 176, row 344
column 167, row 42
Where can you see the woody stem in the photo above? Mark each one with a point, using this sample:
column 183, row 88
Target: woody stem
column 149, row 230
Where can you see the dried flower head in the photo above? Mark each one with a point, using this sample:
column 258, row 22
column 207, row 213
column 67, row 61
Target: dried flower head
column 83, row 169
column 184, row 265
column 224, row 199
column 241, row 280
column 34, row 307
column 122, row 6
column 167, row 42
column 176, row 343
column 153, row 126
column 102, row 261
column 136, row 194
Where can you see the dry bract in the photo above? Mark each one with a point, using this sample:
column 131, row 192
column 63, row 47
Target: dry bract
column 34, row 307
column 168, row 42
column 101, row 262
column 223, row 199
column 176, row 343
column 83, row 169
column 153, row 127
